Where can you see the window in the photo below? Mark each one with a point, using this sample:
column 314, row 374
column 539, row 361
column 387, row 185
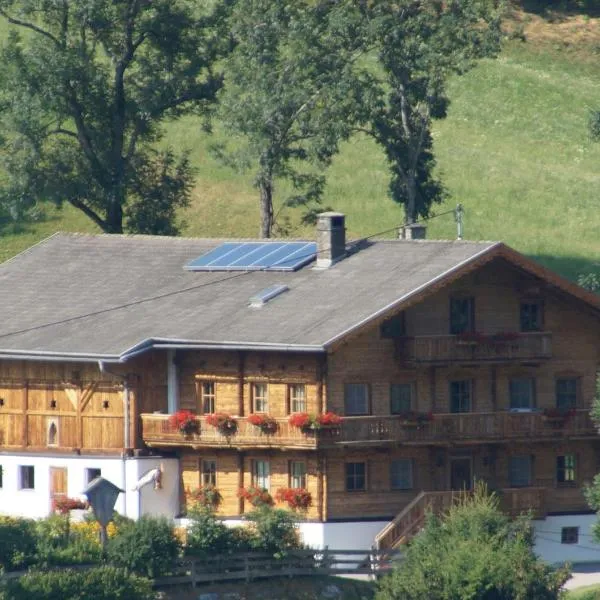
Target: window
column 356, row 399
column 356, row 478
column 531, row 315
column 259, row 395
column 460, row 396
column 52, row 439
column 91, row 474
column 401, row 474
column 462, row 315
column 393, row 327
column 400, row 397
column 261, row 474
column 297, row 394
column 207, row 397
column 519, row 471
column 209, row 472
column 565, row 470
column 569, row 535
column 297, row 474
column 566, row 393
column 521, row 392
column 26, row 477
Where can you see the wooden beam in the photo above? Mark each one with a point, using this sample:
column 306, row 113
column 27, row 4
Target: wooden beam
column 240, row 481
column 24, row 424
column 241, row 381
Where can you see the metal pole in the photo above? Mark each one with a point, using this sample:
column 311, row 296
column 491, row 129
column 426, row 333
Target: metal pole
column 458, row 215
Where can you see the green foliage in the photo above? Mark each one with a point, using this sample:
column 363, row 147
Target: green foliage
column 147, row 546
column 590, row 281
column 275, row 530
column 100, row 583
column 57, row 543
column 84, row 88
column 17, row 543
column 208, row 535
column 473, row 553
column 287, row 97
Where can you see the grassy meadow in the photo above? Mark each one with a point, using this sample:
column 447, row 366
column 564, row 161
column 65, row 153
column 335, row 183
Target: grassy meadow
column 514, row 151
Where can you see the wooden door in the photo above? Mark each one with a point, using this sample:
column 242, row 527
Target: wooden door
column 58, row 481
column 461, row 477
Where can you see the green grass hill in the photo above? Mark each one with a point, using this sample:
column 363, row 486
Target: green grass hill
column 514, row 151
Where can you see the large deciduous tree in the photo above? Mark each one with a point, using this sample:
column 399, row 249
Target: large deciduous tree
column 288, row 95
column 84, row 88
column 419, row 45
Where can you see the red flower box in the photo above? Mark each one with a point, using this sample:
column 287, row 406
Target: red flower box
column 226, row 424
column 207, row 496
column 308, row 422
column 296, row 498
column 329, row 419
column 265, row 423
column 300, row 420
column 62, row 505
column 184, row 421
column 256, row 496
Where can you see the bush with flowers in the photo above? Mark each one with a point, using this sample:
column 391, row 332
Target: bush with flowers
column 296, row 498
column 256, row 496
column 226, row 424
column 266, row 423
column 184, row 421
column 307, row 422
column 63, row 505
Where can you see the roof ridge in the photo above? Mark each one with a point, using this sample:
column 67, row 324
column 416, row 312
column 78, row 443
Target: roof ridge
column 30, row 248
column 145, row 236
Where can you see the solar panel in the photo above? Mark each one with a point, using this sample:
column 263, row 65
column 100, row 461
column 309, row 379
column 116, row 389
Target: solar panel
column 255, row 256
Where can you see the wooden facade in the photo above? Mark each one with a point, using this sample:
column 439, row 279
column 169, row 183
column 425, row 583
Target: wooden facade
column 375, row 463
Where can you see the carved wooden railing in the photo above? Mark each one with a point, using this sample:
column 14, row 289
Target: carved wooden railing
column 450, row 348
column 409, row 521
column 446, row 427
column 157, row 431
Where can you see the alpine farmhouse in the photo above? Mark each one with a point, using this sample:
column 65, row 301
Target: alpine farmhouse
column 448, row 361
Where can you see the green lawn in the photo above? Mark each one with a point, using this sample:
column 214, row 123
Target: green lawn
column 591, row 592
column 514, row 151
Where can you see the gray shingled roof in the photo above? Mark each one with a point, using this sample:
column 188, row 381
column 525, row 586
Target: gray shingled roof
column 105, row 296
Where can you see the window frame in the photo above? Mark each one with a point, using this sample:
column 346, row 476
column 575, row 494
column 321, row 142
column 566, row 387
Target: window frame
column 302, row 478
column 411, row 397
column 566, row 474
column 293, row 400
column 532, row 389
column 367, row 400
column 470, row 387
column 569, row 535
column 262, row 398
column 209, row 398
column 455, row 328
column 525, row 320
column 208, row 477
column 575, row 393
column 411, row 474
column 265, row 476
column 26, row 482
column 355, row 477
column 88, row 472
column 511, row 471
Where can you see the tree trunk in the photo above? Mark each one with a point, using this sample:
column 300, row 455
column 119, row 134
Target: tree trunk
column 266, row 207
column 410, row 208
column 114, row 212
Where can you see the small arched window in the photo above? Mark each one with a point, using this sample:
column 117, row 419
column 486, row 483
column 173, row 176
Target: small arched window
column 52, row 434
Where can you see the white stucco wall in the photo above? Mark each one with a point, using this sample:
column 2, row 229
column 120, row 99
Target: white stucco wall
column 548, row 535
column 35, row 503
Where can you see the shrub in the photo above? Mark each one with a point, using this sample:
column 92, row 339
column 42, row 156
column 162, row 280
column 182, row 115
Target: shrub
column 275, row 531
column 148, row 546
column 100, row 583
column 206, row 534
column 17, row 542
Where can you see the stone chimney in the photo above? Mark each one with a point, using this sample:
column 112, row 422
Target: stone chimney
column 414, row 231
column 331, row 238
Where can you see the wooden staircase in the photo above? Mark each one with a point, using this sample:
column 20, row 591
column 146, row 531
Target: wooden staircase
column 409, row 521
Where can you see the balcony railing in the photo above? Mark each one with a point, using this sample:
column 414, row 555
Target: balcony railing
column 408, row 522
column 463, row 427
column 157, row 431
column 453, row 348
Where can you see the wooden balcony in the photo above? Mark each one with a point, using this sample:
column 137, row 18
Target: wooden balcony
column 158, row 432
column 410, row 520
column 443, row 349
column 459, row 428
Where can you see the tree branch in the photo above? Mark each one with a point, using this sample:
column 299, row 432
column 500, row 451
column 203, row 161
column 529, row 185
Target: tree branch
column 30, row 26
column 89, row 212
